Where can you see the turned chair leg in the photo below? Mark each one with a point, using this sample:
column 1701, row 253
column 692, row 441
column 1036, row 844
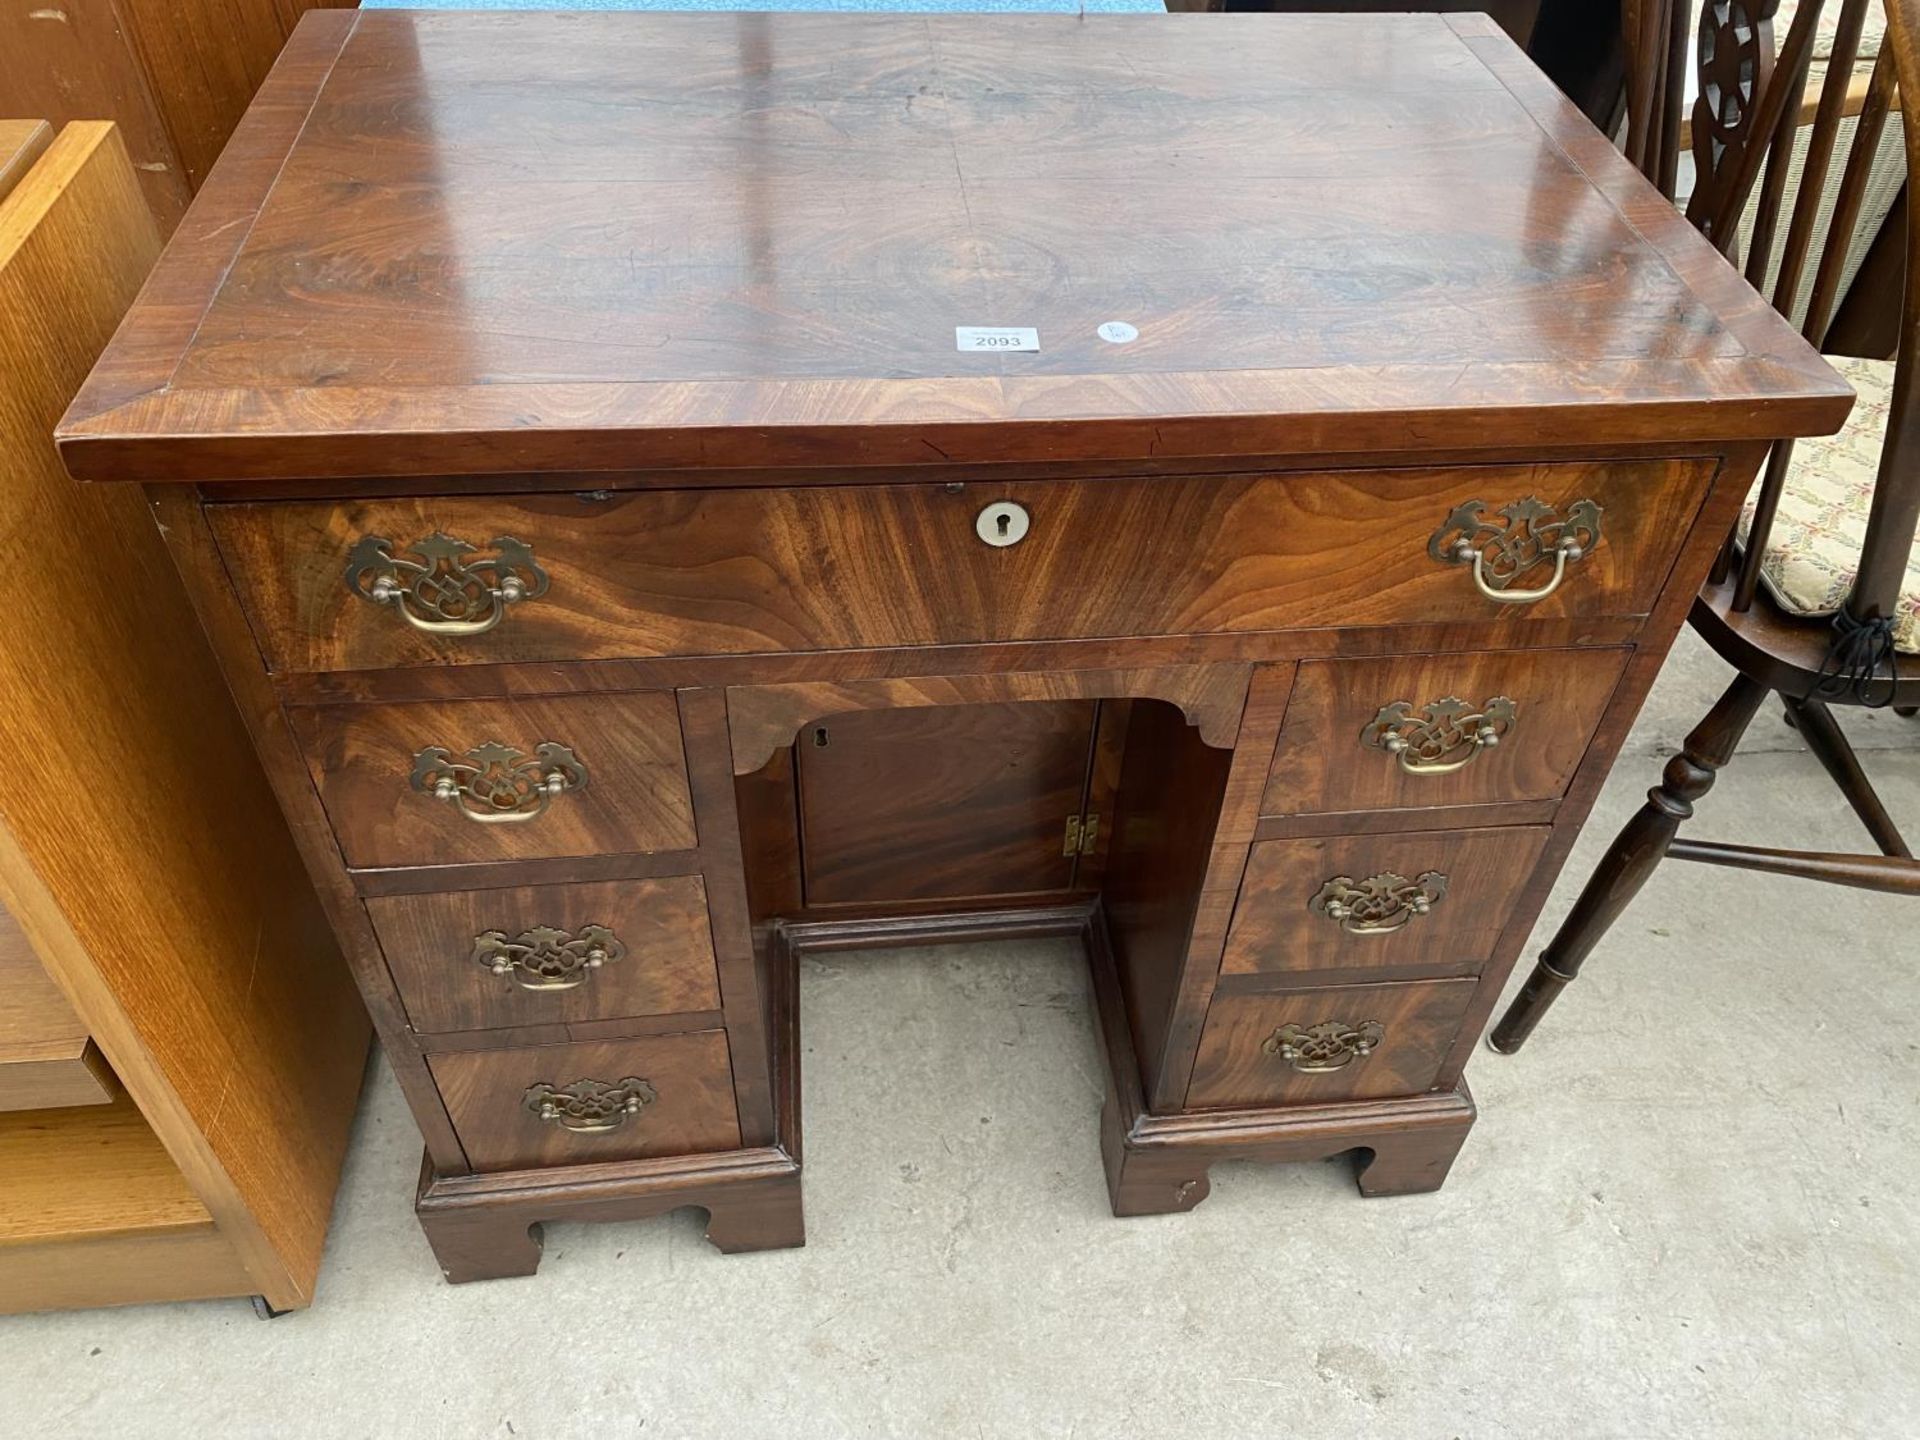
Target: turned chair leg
column 1636, row 852
column 1831, row 748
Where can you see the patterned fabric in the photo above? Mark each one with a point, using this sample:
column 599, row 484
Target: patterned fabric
column 1872, row 31
column 1813, row 553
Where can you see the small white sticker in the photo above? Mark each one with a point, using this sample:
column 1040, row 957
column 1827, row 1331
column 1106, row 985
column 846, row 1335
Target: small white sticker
column 1007, row 339
column 1117, row 332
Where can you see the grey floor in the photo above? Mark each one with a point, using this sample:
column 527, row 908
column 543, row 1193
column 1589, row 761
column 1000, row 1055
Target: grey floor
column 1691, row 1207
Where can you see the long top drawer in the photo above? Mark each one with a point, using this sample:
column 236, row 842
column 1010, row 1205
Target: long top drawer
column 475, row 580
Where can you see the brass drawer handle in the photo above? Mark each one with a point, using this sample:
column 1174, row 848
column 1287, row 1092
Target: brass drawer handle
column 438, row 588
column 1379, row 904
column 496, row 784
column 1424, row 741
column 1534, row 534
column 545, row 958
column 590, row 1107
column 1330, row 1045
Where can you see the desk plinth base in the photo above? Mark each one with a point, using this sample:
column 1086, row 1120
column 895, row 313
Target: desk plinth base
column 487, row 1227
column 1158, row 1164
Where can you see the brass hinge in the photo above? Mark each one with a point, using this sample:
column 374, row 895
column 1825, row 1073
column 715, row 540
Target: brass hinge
column 1083, row 835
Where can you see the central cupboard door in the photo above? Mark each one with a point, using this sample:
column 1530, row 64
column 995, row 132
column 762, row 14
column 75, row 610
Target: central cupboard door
column 945, row 803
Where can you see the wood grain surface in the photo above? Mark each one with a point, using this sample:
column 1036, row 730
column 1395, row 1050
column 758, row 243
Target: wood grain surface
column 87, row 1173
column 635, row 798
column 924, row 804
column 173, row 75
column 1275, row 929
column 667, row 969
column 401, row 248
column 22, row 142
column 819, row 568
column 1157, row 1162
column 1321, row 763
column 1420, row 1018
column 430, row 266
column 1166, row 814
column 759, row 1002
column 73, row 62
column 763, row 718
column 694, row 1114
column 203, row 61
column 163, row 893
column 47, row 1058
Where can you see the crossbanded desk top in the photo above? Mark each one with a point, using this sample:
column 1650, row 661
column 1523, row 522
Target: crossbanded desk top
column 472, row 243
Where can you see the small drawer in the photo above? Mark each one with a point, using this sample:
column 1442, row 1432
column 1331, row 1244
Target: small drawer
column 1350, row 902
column 600, row 1100
column 1342, row 1042
column 478, row 780
column 1415, row 732
column 455, row 580
column 546, row 954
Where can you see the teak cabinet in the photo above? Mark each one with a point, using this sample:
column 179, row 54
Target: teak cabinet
column 632, row 578
column 181, row 1047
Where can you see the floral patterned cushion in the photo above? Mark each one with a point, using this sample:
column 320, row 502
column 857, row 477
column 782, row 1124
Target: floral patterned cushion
column 1814, row 550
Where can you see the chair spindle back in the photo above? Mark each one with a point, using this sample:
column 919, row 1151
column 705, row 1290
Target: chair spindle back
column 1745, row 124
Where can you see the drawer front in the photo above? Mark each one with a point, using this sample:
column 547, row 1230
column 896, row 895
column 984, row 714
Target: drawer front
column 1361, row 901
column 603, row 1100
column 546, row 954
column 482, row 580
column 479, row 780
column 1341, row 1042
column 1414, row 732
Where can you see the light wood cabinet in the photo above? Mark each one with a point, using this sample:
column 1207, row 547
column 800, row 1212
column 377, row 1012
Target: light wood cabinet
column 156, row 917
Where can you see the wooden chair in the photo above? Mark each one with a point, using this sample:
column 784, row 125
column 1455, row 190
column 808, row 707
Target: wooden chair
column 1816, row 594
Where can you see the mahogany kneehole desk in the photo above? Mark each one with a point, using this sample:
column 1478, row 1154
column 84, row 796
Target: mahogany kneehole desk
column 635, row 571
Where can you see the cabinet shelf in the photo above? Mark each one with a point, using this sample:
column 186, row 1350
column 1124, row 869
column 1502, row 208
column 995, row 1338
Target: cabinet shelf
column 89, row 1172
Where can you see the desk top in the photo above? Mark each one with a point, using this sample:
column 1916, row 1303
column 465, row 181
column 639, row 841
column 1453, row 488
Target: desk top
column 474, row 243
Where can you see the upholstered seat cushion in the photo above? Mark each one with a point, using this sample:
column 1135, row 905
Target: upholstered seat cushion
column 1813, row 553
column 1873, row 31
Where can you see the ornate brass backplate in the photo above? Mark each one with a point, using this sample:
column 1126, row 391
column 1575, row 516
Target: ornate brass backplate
column 1379, row 904
column 1330, row 1045
column 545, row 958
column 590, row 1107
column 439, row 586
column 1535, row 534
column 495, row 783
column 1447, row 735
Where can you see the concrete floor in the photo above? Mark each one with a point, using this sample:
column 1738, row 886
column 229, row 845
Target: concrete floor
column 1691, row 1207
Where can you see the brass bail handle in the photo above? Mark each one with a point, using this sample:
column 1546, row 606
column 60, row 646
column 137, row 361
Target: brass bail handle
column 1330, row 1045
column 1448, row 735
column 547, row 957
column 496, row 784
column 590, row 1107
column 442, row 585
column 1562, row 552
column 1533, row 534
column 1381, row 904
column 1484, row 737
